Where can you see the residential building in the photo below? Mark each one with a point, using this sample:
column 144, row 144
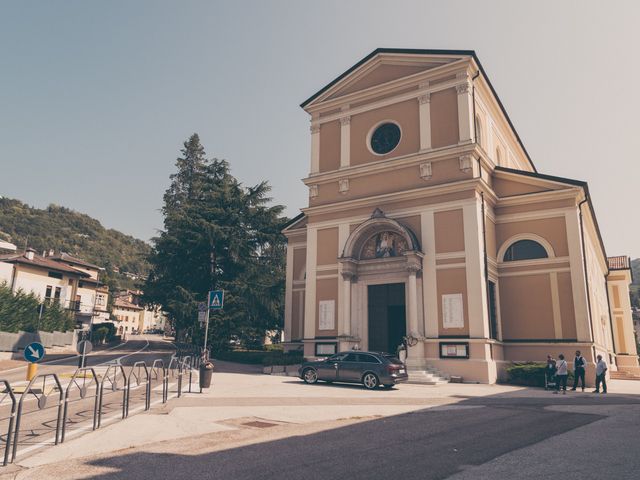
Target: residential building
column 428, row 223
column 126, row 316
column 148, row 317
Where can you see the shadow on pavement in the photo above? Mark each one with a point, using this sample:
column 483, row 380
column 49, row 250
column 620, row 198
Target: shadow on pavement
column 427, row 444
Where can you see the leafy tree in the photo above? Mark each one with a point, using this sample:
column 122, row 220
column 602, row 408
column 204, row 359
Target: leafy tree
column 218, row 234
column 21, row 311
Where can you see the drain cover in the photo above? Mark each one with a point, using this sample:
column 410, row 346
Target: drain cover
column 258, row 424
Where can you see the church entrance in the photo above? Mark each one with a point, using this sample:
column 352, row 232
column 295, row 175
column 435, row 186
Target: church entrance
column 387, row 317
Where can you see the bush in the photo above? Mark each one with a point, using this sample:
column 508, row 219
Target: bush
column 21, row 311
column 529, row 374
column 103, row 332
column 260, row 357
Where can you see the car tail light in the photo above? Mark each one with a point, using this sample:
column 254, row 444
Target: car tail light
column 393, row 368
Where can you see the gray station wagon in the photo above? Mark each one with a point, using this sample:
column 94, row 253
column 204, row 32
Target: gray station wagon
column 372, row 369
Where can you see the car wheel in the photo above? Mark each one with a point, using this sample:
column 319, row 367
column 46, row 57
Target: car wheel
column 310, row 376
column 370, row 381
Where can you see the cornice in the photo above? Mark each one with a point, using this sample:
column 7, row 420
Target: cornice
column 422, row 192
column 528, row 198
column 434, row 155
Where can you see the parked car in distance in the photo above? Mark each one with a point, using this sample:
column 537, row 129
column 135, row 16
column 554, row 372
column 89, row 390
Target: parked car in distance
column 372, row 369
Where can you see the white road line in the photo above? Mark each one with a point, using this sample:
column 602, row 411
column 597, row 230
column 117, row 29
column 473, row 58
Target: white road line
column 51, row 362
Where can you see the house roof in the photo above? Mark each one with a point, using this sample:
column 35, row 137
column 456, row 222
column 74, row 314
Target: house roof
column 122, row 303
column 419, row 51
column 41, row 262
column 65, row 257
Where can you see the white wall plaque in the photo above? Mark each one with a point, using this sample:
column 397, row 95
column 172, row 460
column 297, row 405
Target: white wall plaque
column 452, row 311
column 327, row 318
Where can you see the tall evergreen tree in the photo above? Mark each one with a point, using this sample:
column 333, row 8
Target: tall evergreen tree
column 218, row 234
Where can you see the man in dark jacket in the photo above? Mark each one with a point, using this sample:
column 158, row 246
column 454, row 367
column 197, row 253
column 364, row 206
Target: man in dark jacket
column 579, row 363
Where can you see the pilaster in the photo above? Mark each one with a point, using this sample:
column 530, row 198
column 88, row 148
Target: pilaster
column 310, row 284
column 345, row 141
column 476, row 284
column 315, row 148
column 429, row 278
column 425, row 120
column 288, row 296
column 578, row 276
column 465, row 108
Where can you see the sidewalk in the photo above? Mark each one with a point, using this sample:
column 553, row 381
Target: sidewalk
column 237, row 401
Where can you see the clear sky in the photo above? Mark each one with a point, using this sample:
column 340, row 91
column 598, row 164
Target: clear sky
column 96, row 98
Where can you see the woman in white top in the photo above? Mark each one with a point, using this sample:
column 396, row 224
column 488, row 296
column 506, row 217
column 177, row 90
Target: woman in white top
column 561, row 374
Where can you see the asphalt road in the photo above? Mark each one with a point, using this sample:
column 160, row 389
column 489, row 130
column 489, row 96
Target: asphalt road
column 38, row 422
column 482, row 438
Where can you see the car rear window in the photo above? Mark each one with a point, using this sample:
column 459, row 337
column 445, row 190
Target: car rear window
column 393, row 359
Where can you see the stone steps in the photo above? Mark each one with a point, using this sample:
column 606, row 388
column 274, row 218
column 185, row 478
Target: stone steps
column 427, row 376
column 622, row 375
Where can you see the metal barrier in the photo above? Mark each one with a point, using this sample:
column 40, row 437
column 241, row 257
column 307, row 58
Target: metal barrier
column 136, row 374
column 110, row 378
column 8, row 393
column 45, row 391
column 158, row 372
column 83, row 388
column 187, row 363
column 174, row 372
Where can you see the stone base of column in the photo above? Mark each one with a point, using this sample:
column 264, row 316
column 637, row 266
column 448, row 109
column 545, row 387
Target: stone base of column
column 415, row 357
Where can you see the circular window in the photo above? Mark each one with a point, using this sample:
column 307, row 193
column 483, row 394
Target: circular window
column 385, row 138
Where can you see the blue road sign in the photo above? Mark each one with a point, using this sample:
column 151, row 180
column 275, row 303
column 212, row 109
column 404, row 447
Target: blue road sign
column 216, row 299
column 34, row 352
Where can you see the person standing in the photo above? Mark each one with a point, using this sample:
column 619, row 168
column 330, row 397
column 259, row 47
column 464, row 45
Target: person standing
column 550, row 372
column 601, row 374
column 578, row 365
column 562, row 371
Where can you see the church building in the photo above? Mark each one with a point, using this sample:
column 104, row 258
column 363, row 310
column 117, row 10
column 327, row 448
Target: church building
column 428, row 223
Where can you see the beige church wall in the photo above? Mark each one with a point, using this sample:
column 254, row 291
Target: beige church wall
column 299, row 263
column 567, row 309
column 450, row 261
column 507, row 188
column 329, row 146
column 414, row 223
column 326, row 289
column 326, row 113
column 390, row 206
column 543, row 264
column 297, row 315
column 470, row 370
column 553, row 230
column 451, row 281
column 405, row 114
column 490, row 235
column 449, row 231
column 535, row 206
column 327, row 246
column 444, row 118
column 526, row 307
column 446, row 171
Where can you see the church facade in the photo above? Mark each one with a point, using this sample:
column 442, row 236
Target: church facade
column 428, row 223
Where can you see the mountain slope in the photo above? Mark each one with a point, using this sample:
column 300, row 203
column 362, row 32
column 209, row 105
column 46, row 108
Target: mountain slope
column 64, row 230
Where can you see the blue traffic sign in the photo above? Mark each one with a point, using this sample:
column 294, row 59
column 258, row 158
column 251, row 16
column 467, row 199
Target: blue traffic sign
column 34, row 352
column 216, row 299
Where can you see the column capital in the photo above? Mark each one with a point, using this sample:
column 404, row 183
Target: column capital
column 344, row 121
column 425, row 98
column 313, row 191
column 462, row 88
column 314, row 128
column 343, row 185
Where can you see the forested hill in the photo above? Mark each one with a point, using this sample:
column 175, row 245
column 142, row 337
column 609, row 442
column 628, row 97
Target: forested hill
column 64, row 230
column 635, row 268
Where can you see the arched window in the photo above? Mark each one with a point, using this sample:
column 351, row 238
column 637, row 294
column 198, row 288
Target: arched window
column 478, row 131
column 525, row 250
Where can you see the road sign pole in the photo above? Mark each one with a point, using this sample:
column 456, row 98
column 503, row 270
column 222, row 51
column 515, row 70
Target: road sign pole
column 32, row 371
column 206, row 328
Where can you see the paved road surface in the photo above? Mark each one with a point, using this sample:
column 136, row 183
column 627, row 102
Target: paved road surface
column 38, row 425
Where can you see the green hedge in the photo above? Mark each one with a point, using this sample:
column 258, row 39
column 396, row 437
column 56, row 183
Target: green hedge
column 260, row 357
column 530, row 374
column 21, row 311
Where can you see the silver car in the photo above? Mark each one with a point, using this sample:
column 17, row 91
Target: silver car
column 372, row 369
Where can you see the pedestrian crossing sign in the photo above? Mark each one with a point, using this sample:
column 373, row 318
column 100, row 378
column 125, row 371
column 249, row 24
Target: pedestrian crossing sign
column 216, row 299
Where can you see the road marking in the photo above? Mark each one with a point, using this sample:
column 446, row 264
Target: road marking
column 51, row 362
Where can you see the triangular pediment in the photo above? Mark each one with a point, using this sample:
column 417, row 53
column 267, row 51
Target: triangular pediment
column 509, row 183
column 384, row 66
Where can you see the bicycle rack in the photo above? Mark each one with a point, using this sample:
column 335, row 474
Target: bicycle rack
column 83, row 388
column 110, row 378
column 41, row 398
column 8, row 393
column 136, row 374
column 159, row 373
